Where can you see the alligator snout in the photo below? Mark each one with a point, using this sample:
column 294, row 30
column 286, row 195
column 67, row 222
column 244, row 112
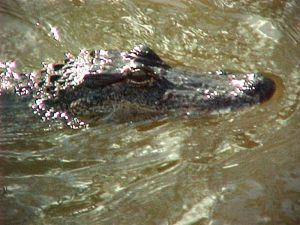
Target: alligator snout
column 217, row 91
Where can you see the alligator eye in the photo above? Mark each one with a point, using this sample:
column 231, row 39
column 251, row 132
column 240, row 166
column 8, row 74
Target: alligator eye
column 141, row 77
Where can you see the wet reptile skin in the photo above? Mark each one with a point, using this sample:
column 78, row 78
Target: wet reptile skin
column 96, row 83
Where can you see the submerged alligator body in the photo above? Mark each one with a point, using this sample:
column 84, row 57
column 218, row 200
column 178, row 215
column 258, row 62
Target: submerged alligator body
column 97, row 83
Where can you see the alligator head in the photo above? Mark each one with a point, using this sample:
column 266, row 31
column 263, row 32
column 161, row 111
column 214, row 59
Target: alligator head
column 99, row 82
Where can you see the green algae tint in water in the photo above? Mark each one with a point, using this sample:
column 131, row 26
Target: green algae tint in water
column 237, row 168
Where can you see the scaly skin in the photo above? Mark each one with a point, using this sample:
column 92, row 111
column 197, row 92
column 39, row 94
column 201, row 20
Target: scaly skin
column 99, row 82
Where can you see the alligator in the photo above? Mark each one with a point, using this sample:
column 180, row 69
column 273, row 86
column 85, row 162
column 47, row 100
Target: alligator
column 99, row 82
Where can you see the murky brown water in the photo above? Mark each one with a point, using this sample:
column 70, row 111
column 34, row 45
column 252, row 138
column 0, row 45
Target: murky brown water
column 238, row 168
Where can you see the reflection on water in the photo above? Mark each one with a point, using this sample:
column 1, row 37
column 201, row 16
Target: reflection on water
column 237, row 168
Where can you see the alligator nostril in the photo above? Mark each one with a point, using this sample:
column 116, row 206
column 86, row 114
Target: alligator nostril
column 266, row 89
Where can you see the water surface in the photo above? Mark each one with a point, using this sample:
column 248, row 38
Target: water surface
column 237, row 168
